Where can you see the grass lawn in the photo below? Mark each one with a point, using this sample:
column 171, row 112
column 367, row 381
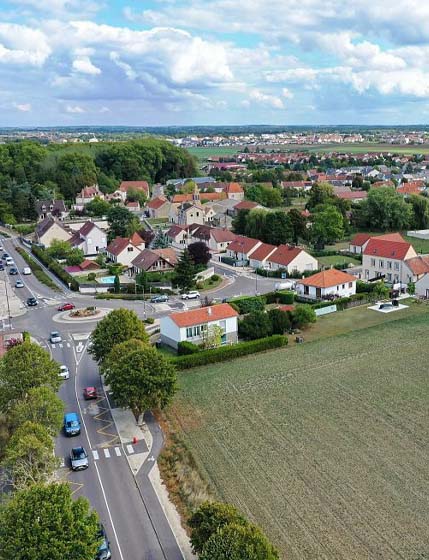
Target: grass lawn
column 157, row 221
column 420, row 245
column 203, row 153
column 338, row 259
column 323, row 444
column 210, row 284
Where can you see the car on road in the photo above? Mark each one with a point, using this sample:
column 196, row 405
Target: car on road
column 26, row 270
column 13, row 271
column 64, row 372
column 31, row 301
column 79, row 459
column 19, row 284
column 66, row 307
column 55, row 337
column 89, row 393
column 9, row 261
column 162, row 298
column 191, row 295
column 1, row 266
column 5, row 256
column 103, row 552
column 71, row 424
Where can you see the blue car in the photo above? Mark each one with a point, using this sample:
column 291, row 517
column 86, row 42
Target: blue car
column 71, row 424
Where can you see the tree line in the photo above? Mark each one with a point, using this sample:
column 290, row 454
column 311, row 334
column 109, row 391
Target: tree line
column 30, row 171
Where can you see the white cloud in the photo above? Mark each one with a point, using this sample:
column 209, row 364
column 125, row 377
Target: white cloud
column 23, row 107
column 74, row 109
column 22, row 45
column 287, row 93
column 85, row 66
column 130, row 73
column 266, row 99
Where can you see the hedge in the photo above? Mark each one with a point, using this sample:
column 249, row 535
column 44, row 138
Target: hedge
column 282, row 296
column 37, row 270
column 185, row 348
column 247, row 304
column 108, row 295
column 225, row 353
column 55, row 268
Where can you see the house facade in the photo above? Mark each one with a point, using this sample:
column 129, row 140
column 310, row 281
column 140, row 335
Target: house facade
column 86, row 195
column 195, row 325
column 292, row 259
column 154, row 260
column 385, row 257
column 358, row 243
column 325, row 284
column 158, row 207
column 123, row 250
column 50, row 229
column 242, row 248
column 55, row 208
column 90, row 238
column 259, row 257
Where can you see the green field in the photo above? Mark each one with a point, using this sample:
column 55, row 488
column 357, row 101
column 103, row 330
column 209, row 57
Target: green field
column 323, row 444
column 203, row 153
column 338, row 259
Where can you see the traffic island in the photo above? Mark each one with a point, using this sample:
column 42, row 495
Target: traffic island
column 84, row 315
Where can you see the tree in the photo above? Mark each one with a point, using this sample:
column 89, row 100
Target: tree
column 116, row 284
column 122, row 223
column 239, row 542
column 357, row 182
column 303, row 315
column 420, row 210
column 97, row 207
column 320, row 193
column 118, row 326
column 255, row 224
column 119, row 351
column 142, row 379
column 29, row 455
column 24, row 367
column 73, row 172
column 208, row 519
column 212, row 337
column 278, row 229
column 327, row 225
column 42, row 406
column 239, row 222
column 280, row 321
column 383, row 210
column 184, row 274
column 380, row 291
column 199, row 253
column 59, row 249
column 75, row 256
column 44, row 522
column 133, row 195
column 411, row 288
column 255, row 325
column 298, row 225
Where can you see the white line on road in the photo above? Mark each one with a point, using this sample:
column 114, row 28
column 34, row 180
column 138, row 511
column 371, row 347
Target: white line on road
column 53, row 345
column 130, row 449
column 106, row 453
column 95, row 455
column 68, row 345
column 118, row 451
column 60, row 345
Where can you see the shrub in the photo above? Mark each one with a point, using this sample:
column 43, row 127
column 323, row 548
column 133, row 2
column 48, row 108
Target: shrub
column 303, row 315
column 282, row 296
column 149, row 320
column 280, row 321
column 215, row 277
column 185, row 348
column 247, row 304
column 364, row 286
column 234, row 306
column 24, row 229
column 225, row 353
column 91, row 276
column 55, row 268
column 255, row 325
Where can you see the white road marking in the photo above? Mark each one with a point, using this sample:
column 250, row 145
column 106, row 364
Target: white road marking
column 95, row 455
column 63, row 462
column 118, row 451
column 53, row 345
column 60, row 345
column 68, row 344
column 130, row 449
column 106, row 453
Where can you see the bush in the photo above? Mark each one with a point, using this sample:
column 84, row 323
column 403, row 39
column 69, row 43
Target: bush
column 282, row 296
column 149, row 321
column 225, row 353
column 280, row 321
column 215, row 277
column 255, row 325
column 247, row 304
column 303, row 315
column 365, row 286
column 91, row 276
column 185, row 348
column 55, row 268
column 24, row 229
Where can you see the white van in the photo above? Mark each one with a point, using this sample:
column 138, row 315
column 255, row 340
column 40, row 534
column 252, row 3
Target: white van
column 26, row 270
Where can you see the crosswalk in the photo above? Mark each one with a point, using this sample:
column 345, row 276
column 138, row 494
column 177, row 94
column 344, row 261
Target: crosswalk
column 112, row 452
column 61, row 345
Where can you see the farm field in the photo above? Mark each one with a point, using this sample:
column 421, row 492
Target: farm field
column 353, row 148
column 203, row 153
column 323, row 444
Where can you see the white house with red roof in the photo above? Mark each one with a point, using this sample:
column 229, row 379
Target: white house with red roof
column 242, row 248
column 358, row 243
column 326, row 284
column 233, row 191
column 86, row 195
column 292, row 259
column 126, row 186
column 385, row 257
column 90, row 238
column 123, row 250
column 178, row 236
column 259, row 257
column 158, row 207
column 196, row 324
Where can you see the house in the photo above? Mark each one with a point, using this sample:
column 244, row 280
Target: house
column 124, row 250
column 196, row 324
column 133, row 206
column 177, row 235
column 86, row 195
column 216, row 239
column 292, row 259
column 245, row 205
column 85, row 266
column 234, row 191
column 302, row 186
column 49, row 229
column 139, row 186
column 154, row 260
column 190, row 213
column 55, row 208
column 422, row 281
column 353, row 196
column 384, row 256
column 358, row 243
column 259, row 257
column 327, row 283
column 241, row 249
column 412, row 187
column 158, row 207
column 90, row 238
column 416, row 268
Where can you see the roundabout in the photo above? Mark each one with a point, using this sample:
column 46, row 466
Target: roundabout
column 82, row 315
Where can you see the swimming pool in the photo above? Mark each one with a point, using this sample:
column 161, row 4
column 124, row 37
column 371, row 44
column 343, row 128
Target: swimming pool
column 107, row 280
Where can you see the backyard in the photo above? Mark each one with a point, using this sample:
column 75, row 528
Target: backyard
column 324, row 444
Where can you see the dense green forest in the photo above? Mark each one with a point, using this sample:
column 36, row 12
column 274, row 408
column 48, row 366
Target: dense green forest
column 30, row 171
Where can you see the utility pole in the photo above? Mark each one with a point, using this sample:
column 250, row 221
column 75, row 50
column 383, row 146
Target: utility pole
column 8, row 303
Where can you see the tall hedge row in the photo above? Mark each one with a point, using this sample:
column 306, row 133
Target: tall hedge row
column 55, row 268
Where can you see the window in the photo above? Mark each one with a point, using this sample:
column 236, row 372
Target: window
column 350, row 284
column 197, row 330
column 366, row 273
column 389, row 276
column 396, row 266
column 381, row 263
column 129, row 249
column 306, row 290
column 189, row 332
column 389, row 265
column 372, row 262
column 343, row 286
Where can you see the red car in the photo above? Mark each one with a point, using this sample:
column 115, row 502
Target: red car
column 90, row 393
column 66, row 307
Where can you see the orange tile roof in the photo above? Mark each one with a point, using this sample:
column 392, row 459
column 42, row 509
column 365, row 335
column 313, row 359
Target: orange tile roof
column 136, row 239
column 234, row 188
column 360, row 239
column 203, row 315
column 284, row 254
column 243, row 244
column 387, row 248
column 156, row 203
column 327, row 278
column 418, row 265
column 263, row 251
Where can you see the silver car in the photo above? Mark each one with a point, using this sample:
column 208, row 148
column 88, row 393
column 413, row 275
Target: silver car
column 55, row 337
column 79, row 459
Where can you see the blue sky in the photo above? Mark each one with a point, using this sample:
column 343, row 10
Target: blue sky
column 134, row 62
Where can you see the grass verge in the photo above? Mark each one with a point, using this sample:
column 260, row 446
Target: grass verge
column 37, row 270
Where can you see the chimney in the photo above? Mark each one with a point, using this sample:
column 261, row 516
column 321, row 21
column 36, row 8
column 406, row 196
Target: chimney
column 209, row 310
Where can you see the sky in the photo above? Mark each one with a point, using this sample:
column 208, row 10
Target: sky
column 213, row 62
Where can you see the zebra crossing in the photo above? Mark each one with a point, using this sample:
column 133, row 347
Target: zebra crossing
column 112, row 452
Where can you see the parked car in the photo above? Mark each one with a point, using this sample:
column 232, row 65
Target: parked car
column 9, row 261
column 79, row 459
column 1, row 265
column 103, row 552
column 19, row 284
column 26, row 270
column 71, row 424
column 31, row 301
column 191, row 295
column 55, row 337
column 66, row 307
column 162, row 298
column 5, row 256
column 64, row 372
column 90, row 393
column 13, row 271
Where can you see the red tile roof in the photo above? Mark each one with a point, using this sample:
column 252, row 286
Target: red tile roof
column 284, row 254
column 412, row 187
column 136, row 239
column 233, row 188
column 156, row 203
column 387, row 248
column 327, row 278
column 89, row 265
column 246, row 205
column 243, row 244
column 117, row 245
column 125, row 186
column 222, row 235
column 263, row 251
column 352, row 195
column 203, row 315
column 175, row 230
column 418, row 265
column 360, row 239
column 87, row 227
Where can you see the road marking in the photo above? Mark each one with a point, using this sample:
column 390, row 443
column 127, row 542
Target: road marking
column 53, row 345
column 95, row 455
column 106, row 453
column 118, row 451
column 130, row 449
column 60, row 345
column 63, row 462
column 68, row 344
